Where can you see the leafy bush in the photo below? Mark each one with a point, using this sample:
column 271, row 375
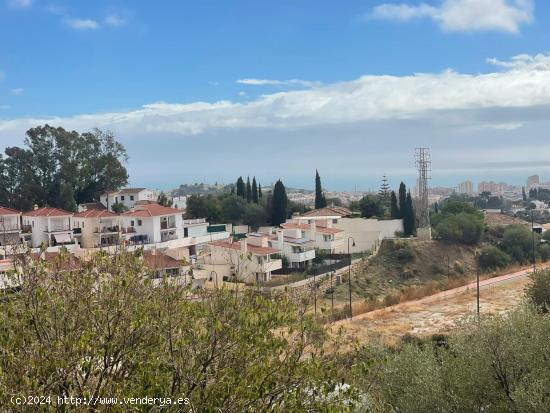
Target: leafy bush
column 404, row 252
column 491, row 258
column 544, row 252
column 538, row 290
column 465, row 228
column 517, row 242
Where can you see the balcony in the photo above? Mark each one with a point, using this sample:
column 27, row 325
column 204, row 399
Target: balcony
column 128, row 230
column 26, row 229
column 107, row 230
column 301, row 256
column 167, row 225
column 271, row 265
column 8, row 227
column 59, row 228
column 196, row 221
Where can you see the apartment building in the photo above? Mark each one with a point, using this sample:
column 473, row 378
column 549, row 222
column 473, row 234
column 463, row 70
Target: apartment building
column 10, row 227
column 128, row 197
column 97, row 228
column 466, row 187
column 249, row 259
column 48, row 226
column 297, row 249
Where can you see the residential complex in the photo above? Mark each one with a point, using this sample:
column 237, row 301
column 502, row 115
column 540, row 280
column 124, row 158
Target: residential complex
column 466, row 187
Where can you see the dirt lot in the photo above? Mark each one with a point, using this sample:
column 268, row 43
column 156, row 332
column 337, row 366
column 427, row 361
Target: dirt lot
column 389, row 272
column 439, row 316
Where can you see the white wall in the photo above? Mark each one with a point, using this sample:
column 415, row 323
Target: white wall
column 366, row 232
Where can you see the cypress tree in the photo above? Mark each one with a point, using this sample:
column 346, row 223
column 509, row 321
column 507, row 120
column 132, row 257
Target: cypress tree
column 402, row 200
column 254, row 191
column 248, row 190
column 259, row 191
column 524, row 194
column 393, row 206
column 280, row 204
column 409, row 220
column 240, row 187
column 320, row 201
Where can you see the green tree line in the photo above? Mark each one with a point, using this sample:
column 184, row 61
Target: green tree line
column 61, row 168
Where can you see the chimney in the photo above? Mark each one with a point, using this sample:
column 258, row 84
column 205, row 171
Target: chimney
column 244, row 246
column 312, row 227
column 280, row 239
column 35, row 207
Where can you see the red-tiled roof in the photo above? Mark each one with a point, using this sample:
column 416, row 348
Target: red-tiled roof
column 161, row 261
column 95, row 213
column 8, row 211
column 93, row 205
column 254, row 249
column 53, row 261
column 47, row 212
column 152, row 210
column 328, row 212
column 322, row 230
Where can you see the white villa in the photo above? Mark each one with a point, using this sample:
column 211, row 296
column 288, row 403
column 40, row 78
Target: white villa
column 128, row 197
column 325, row 238
column 49, row 226
column 96, row 228
column 299, row 250
column 249, row 260
column 10, row 227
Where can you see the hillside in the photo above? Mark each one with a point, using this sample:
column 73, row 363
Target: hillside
column 400, row 264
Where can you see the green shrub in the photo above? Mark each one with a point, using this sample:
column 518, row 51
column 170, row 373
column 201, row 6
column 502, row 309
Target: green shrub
column 459, row 223
column 404, row 252
column 544, row 252
column 491, row 258
column 538, row 290
column 517, row 242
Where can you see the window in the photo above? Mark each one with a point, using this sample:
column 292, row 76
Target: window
column 122, row 197
column 132, row 223
column 131, row 197
column 334, row 221
column 116, row 199
column 139, row 222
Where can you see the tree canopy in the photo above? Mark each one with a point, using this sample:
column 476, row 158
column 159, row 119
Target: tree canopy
column 61, row 168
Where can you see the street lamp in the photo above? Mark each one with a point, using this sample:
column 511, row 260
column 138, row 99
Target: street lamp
column 349, row 276
column 533, row 235
column 215, row 282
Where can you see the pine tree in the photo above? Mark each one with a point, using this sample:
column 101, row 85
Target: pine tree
column 254, row 191
column 394, row 208
column 260, row 191
column 248, row 190
column 280, row 204
column 409, row 219
column 320, row 201
column 384, row 191
column 402, row 200
column 241, row 187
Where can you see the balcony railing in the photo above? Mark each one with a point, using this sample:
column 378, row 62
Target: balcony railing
column 5, row 227
column 59, row 228
column 107, row 229
column 128, row 230
column 167, row 225
column 26, row 229
column 194, row 221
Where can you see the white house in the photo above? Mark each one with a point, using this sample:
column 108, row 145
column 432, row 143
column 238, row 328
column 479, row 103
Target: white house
column 49, row 226
column 299, row 250
column 128, row 197
column 179, row 202
column 10, row 227
column 249, row 260
column 96, row 228
column 154, row 225
column 325, row 238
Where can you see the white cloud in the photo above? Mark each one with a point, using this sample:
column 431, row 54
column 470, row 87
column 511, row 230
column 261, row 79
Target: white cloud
column 503, row 99
column 114, row 21
column 5, row 107
column 20, row 3
column 463, row 15
column 17, row 91
column 272, row 82
column 82, row 24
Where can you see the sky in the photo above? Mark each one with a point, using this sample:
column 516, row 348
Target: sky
column 205, row 91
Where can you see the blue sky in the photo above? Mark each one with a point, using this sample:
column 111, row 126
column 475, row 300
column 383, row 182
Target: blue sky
column 209, row 90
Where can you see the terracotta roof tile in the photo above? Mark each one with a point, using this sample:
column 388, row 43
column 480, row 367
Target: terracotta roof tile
column 161, row 261
column 254, row 249
column 152, row 210
column 95, row 213
column 47, row 212
column 8, row 211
